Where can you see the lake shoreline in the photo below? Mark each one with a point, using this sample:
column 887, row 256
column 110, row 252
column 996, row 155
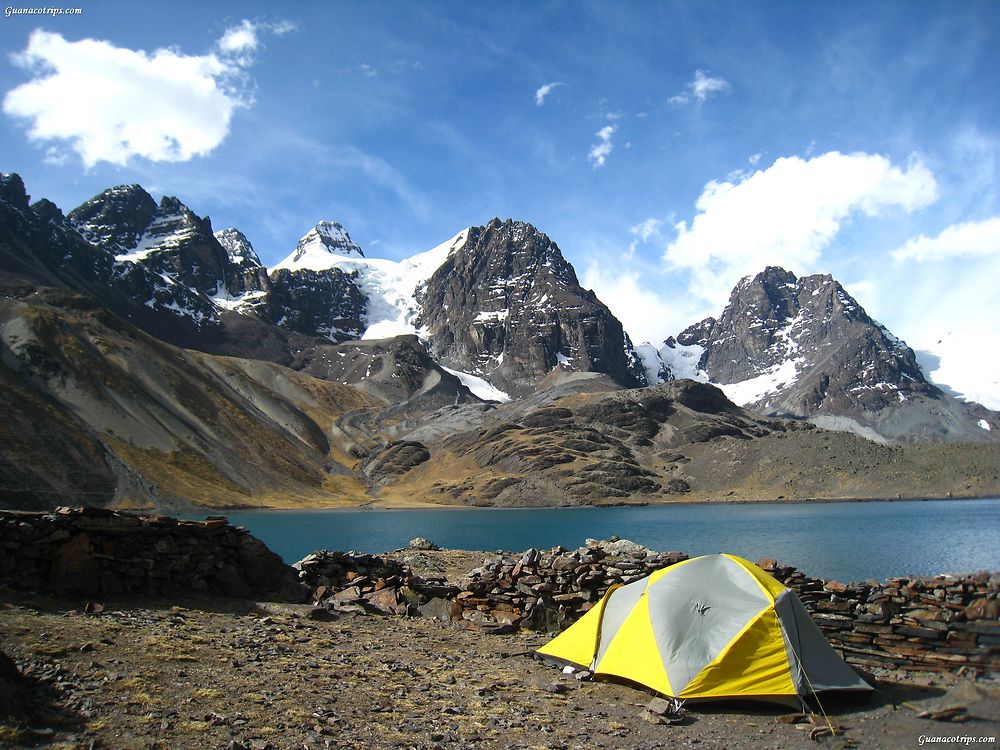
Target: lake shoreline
column 376, row 505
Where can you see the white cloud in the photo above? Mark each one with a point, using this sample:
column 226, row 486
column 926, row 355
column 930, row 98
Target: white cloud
column 111, row 103
column 600, row 151
column 242, row 38
column 544, row 91
column 966, row 240
column 700, row 88
column 787, row 214
column 645, row 315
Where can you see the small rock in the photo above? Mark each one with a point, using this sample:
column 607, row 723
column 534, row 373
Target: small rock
column 546, row 686
column 423, row 544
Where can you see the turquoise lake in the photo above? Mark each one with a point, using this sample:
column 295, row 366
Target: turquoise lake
column 846, row 541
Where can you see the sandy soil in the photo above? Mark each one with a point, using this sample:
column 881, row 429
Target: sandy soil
column 200, row 673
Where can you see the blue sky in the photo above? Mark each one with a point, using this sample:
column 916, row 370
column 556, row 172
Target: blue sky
column 668, row 148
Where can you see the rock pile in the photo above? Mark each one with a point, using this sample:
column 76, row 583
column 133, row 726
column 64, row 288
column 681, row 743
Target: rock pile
column 99, row 552
column 540, row 589
column 549, row 589
column 354, row 581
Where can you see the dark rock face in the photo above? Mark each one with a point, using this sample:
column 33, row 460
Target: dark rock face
column 325, row 303
column 116, row 218
column 38, row 246
column 509, row 307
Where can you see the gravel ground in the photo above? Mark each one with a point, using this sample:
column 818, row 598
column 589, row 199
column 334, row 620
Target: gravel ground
column 199, row 673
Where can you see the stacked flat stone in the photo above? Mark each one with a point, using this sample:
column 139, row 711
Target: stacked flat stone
column 938, row 624
column 98, row 552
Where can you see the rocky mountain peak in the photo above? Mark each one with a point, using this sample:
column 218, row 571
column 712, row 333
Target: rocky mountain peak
column 238, row 247
column 805, row 347
column 116, row 218
column 319, row 243
column 46, row 210
column 12, row 190
column 506, row 306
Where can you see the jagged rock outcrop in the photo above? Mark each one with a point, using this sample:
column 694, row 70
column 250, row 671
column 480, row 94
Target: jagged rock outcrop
column 178, row 247
column 507, row 306
column 804, row 347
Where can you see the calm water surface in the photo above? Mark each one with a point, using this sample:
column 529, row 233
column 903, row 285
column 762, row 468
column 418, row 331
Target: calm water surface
column 847, row 541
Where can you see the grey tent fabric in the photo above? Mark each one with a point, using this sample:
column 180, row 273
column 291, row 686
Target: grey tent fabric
column 816, row 666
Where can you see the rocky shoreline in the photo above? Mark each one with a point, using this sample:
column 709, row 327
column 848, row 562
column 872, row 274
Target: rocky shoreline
column 112, row 644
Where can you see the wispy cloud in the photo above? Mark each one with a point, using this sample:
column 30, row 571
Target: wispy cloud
column 787, row 214
column 971, row 239
column 644, row 231
column 110, row 103
column 647, row 229
column 600, row 151
column 544, row 91
column 700, row 88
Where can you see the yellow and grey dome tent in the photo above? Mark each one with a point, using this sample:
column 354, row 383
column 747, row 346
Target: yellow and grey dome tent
column 712, row 627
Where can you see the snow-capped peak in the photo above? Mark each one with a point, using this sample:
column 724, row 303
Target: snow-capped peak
column 389, row 286
column 237, row 246
column 321, row 247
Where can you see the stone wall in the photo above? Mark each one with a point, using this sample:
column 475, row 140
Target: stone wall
column 96, row 553
column 926, row 624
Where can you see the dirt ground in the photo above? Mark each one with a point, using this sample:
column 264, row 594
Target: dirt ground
column 209, row 674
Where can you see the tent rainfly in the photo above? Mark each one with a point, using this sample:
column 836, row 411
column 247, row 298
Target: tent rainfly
column 712, row 627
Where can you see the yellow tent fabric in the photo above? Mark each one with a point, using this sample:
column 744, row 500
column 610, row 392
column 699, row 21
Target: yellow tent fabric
column 712, row 627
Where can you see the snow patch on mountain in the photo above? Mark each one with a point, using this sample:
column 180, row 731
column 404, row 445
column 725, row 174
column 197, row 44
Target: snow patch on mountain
column 683, row 360
column 390, row 286
column 163, row 233
column 672, row 361
column 479, row 387
column 769, row 382
column 226, row 301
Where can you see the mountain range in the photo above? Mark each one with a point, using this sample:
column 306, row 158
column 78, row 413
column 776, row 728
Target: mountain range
column 148, row 359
